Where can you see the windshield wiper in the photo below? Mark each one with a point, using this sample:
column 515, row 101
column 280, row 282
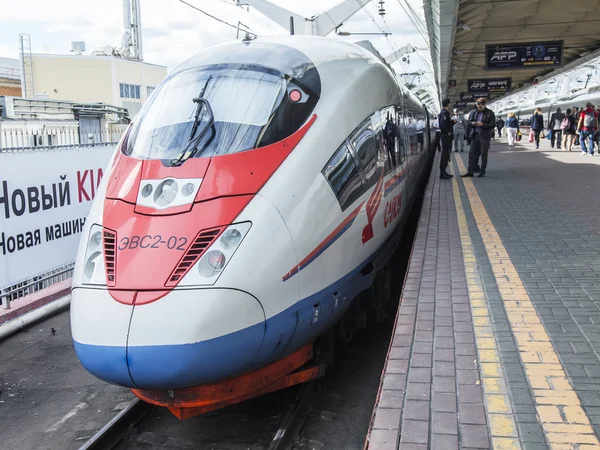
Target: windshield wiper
column 196, row 136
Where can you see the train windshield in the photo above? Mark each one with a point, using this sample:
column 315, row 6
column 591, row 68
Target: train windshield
column 252, row 107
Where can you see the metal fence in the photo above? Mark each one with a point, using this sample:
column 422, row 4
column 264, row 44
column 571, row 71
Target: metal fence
column 58, row 137
column 35, row 284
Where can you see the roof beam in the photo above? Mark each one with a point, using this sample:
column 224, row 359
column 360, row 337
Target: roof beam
column 319, row 25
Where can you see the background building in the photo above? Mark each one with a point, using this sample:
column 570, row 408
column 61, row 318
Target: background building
column 10, row 77
column 28, row 122
column 93, row 78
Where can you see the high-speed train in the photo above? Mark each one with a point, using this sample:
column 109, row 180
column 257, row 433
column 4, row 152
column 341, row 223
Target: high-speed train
column 261, row 188
column 549, row 105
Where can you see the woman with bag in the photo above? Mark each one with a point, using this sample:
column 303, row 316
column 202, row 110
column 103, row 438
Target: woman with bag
column 512, row 127
column 537, row 125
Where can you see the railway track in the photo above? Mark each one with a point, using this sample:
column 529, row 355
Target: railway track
column 118, row 428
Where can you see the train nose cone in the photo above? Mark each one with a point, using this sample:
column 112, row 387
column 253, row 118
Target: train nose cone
column 194, row 336
column 99, row 328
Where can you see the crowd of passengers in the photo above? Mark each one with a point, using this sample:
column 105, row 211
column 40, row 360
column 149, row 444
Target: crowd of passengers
column 576, row 127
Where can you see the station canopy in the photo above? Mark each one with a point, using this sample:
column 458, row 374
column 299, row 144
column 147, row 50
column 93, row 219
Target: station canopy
column 489, row 41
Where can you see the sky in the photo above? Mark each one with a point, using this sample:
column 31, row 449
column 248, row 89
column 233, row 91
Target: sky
column 173, row 31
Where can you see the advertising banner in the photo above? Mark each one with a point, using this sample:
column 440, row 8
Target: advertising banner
column 500, row 85
column 526, row 55
column 45, row 197
column 471, row 98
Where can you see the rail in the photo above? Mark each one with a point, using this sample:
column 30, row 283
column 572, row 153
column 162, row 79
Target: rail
column 35, row 284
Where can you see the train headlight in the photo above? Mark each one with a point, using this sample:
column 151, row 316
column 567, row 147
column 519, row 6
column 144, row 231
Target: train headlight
column 215, row 258
column 231, row 238
column 166, row 192
column 93, row 265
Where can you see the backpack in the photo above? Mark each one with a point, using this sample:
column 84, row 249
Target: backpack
column 589, row 119
column 565, row 124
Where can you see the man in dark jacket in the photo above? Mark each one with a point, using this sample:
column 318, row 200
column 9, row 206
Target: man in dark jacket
column 446, row 126
column 481, row 126
column 556, row 122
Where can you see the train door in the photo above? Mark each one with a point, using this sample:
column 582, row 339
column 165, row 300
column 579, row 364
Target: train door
column 410, row 121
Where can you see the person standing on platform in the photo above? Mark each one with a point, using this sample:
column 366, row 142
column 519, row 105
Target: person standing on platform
column 446, row 126
column 555, row 125
column 512, row 128
column 481, row 126
column 537, row 125
column 587, row 127
column 460, row 127
column 500, row 126
column 568, row 126
column 576, row 112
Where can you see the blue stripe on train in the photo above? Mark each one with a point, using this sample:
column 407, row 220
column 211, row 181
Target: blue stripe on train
column 174, row 366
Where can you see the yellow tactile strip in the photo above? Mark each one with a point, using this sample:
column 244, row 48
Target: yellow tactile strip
column 500, row 417
column 559, row 409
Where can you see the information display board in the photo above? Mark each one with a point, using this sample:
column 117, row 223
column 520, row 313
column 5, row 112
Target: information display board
column 499, row 85
column 525, row 55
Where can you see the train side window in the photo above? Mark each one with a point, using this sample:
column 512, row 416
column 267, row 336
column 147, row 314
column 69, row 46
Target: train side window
column 420, row 131
column 378, row 126
column 363, row 141
column 411, row 125
column 389, row 138
column 400, row 136
column 343, row 176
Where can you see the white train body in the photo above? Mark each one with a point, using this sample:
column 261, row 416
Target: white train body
column 283, row 235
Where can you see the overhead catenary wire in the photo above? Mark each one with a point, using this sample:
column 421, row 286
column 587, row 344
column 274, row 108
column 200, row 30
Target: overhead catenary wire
column 416, row 23
column 364, row 8
column 247, row 28
column 261, row 22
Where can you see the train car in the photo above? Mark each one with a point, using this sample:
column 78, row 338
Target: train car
column 549, row 105
column 261, row 188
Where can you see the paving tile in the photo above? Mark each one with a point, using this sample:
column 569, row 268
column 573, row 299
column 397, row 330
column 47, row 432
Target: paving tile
column 420, row 360
column 474, row 436
column 408, row 446
column 391, row 399
column 444, row 423
column 465, row 376
column 394, row 381
column 444, row 384
column 418, row 391
column 415, row 432
column 469, row 394
column 383, row 439
column 417, row 409
column 444, row 368
column 387, row 419
column 444, row 442
column 443, row 354
column 397, row 366
column 444, row 402
column 473, row 414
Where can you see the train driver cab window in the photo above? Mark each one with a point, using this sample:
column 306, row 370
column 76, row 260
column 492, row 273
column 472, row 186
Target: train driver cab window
column 343, row 176
column 363, row 141
column 218, row 109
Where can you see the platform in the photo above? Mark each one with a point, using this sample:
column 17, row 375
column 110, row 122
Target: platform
column 47, row 399
column 498, row 331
